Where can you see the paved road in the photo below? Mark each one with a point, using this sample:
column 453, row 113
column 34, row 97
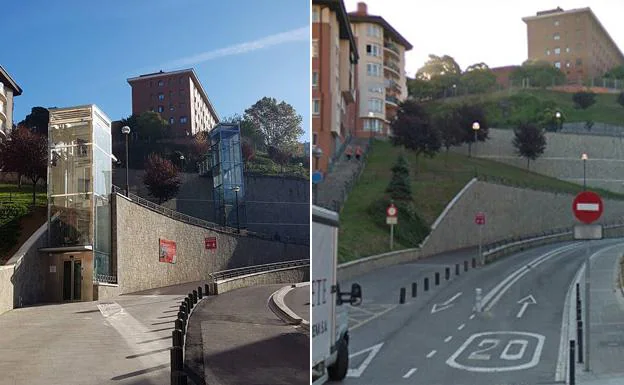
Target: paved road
column 234, row 338
column 124, row 341
column 509, row 343
column 298, row 300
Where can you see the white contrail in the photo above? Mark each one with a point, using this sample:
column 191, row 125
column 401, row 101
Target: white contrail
column 299, row 34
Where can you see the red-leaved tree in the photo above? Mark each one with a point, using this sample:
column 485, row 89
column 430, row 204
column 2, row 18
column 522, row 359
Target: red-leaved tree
column 161, row 178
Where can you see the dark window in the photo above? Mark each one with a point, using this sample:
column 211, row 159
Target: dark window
column 161, row 83
column 161, row 109
column 183, row 119
column 579, row 62
column 314, row 138
column 161, row 96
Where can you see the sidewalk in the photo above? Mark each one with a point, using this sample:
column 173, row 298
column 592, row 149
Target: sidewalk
column 298, row 300
column 607, row 322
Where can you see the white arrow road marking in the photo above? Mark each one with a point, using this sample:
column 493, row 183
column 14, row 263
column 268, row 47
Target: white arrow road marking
column 410, row 372
column 431, row 353
column 526, row 301
column 373, row 350
column 588, row 207
column 444, row 305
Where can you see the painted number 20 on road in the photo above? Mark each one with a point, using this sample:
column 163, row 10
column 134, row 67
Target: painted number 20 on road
column 498, row 352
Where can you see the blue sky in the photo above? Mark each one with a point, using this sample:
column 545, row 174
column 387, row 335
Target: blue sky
column 73, row 52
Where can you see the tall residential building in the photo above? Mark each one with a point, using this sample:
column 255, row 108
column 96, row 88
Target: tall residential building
column 8, row 90
column 382, row 82
column 178, row 97
column 334, row 56
column 574, row 41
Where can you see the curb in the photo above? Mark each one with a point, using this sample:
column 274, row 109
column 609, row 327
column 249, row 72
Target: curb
column 277, row 306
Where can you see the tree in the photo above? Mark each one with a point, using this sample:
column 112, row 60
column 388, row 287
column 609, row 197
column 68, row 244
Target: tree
column 620, row 99
column 447, row 122
column 248, row 130
column 279, row 123
column 26, row 153
column 151, row 126
column 413, row 130
column 279, row 156
column 399, row 187
column 615, row 73
column 467, row 114
column 441, row 73
column 248, row 151
column 161, row 178
column 583, row 99
column 477, row 79
column 37, row 121
column 538, row 74
column 529, row 141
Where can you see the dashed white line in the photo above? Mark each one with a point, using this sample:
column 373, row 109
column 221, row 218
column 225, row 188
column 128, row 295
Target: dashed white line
column 472, row 316
column 410, row 372
column 431, row 353
column 447, row 339
column 460, row 327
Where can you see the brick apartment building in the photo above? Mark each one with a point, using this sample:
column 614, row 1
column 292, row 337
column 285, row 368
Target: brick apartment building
column 178, row 96
column 502, row 75
column 8, row 90
column 574, row 41
column 334, row 59
column 382, row 82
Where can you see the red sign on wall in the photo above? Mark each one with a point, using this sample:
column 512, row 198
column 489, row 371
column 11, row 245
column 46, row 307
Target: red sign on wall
column 211, row 243
column 167, row 251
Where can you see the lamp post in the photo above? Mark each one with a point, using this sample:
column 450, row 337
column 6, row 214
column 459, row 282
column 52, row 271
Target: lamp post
column 454, row 89
column 558, row 118
column 236, row 189
column 475, row 127
column 584, row 157
column 317, row 152
column 182, row 158
column 126, row 131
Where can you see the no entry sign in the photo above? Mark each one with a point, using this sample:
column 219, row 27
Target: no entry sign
column 587, row 207
column 391, row 215
column 480, row 218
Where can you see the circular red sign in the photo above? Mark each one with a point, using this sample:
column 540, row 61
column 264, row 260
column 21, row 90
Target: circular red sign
column 587, row 207
column 392, row 211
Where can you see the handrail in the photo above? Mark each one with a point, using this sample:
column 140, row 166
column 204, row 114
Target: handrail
column 231, row 273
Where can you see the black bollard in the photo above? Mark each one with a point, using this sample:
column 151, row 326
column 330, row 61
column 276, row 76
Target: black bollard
column 457, row 269
column 437, row 279
column 447, row 273
column 579, row 338
column 179, row 324
column 182, row 315
column 189, row 300
column 199, row 292
column 572, row 363
column 177, row 366
column 402, row 295
column 414, row 287
column 426, row 284
column 176, row 337
column 207, row 289
column 474, row 263
column 194, row 296
column 465, row 265
column 183, row 308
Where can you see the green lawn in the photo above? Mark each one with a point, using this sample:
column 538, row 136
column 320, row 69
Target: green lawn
column 10, row 192
column 433, row 186
column 262, row 164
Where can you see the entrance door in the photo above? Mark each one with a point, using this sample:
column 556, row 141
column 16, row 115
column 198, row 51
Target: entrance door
column 72, row 280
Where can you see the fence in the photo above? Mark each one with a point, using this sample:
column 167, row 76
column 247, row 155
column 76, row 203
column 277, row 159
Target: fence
column 231, row 273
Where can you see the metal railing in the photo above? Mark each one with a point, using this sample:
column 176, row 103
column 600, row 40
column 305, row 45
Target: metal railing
column 392, row 47
column 203, row 223
column 231, row 273
column 103, row 278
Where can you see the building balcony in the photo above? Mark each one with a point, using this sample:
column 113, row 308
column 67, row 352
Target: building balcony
column 392, row 100
column 3, row 116
column 393, row 85
column 3, row 94
column 391, row 47
column 388, row 65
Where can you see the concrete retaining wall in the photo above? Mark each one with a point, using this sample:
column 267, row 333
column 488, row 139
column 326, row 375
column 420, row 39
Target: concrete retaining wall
column 138, row 229
column 105, row 291
column 285, row 276
column 6, row 288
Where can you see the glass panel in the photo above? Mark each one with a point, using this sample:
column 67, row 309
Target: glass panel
column 67, row 283
column 77, row 280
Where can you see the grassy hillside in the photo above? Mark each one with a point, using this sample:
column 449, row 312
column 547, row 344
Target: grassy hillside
column 504, row 108
column 433, row 186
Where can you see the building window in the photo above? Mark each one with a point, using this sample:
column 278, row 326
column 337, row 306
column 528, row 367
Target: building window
column 183, row 119
column 375, row 105
column 314, row 79
column 161, row 96
column 376, row 88
column 161, row 109
column 579, row 62
column 171, row 107
column 161, row 83
column 181, row 92
column 556, row 23
column 567, row 49
column 373, row 69
column 556, row 36
column 373, row 50
column 373, row 125
column 316, row 15
column 557, row 51
column 314, row 47
column 171, row 120
column 374, row 30
column 558, row 64
column 547, row 52
column 316, row 107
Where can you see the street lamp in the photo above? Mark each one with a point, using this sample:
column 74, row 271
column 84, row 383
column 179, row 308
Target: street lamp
column 182, row 161
column 317, row 152
column 236, row 189
column 584, row 158
column 126, row 131
column 475, row 127
column 454, row 89
column 558, row 117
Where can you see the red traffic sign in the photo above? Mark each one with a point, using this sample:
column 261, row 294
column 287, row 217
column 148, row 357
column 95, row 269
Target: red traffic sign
column 210, row 243
column 587, row 207
column 392, row 211
column 480, row 218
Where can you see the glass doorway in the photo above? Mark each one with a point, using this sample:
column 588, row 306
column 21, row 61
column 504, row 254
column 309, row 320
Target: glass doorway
column 72, row 279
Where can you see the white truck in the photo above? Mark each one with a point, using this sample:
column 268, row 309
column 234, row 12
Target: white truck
column 330, row 324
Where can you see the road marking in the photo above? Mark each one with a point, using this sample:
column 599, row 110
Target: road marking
column 372, row 318
column 447, row 339
column 526, row 301
column 495, row 294
column 431, row 353
column 472, row 316
column 488, row 344
column 410, row 372
column 460, row 327
column 360, row 369
column 444, row 305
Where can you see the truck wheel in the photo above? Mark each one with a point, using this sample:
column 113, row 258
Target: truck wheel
column 338, row 371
